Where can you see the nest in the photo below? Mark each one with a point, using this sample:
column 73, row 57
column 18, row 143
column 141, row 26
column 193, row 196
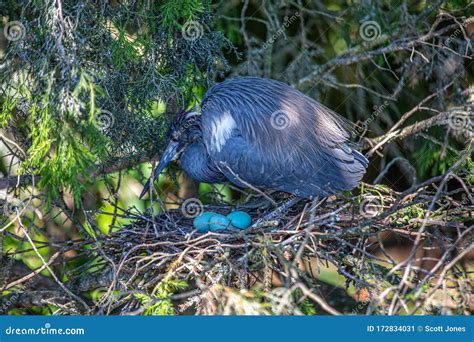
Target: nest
column 161, row 264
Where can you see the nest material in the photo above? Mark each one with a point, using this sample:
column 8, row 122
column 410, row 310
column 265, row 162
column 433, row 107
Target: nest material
column 283, row 257
column 161, row 264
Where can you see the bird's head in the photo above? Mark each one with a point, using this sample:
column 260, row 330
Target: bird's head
column 183, row 130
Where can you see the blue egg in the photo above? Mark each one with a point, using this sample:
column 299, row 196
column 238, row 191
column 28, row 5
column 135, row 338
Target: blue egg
column 203, row 221
column 218, row 221
column 240, row 219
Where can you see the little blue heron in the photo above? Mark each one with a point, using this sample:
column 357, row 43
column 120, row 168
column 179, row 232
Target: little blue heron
column 261, row 133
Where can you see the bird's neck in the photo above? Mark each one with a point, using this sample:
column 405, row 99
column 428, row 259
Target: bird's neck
column 197, row 164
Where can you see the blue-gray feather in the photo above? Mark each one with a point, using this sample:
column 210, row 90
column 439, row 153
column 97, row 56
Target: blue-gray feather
column 309, row 156
column 237, row 137
column 196, row 162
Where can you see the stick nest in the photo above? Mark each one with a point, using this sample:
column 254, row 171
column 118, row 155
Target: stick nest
column 275, row 266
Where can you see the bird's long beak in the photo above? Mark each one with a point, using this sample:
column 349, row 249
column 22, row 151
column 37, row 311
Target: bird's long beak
column 168, row 155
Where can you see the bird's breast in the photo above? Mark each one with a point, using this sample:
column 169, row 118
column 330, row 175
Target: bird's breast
column 198, row 165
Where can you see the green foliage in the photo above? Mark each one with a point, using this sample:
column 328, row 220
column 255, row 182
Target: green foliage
column 94, row 60
column 158, row 303
column 415, row 211
column 173, row 11
column 432, row 159
column 307, row 308
column 377, row 190
column 6, row 113
column 470, row 170
column 61, row 153
column 124, row 49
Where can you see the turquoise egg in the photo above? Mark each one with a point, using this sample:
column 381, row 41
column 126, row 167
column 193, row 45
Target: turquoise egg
column 240, row 219
column 202, row 222
column 218, row 221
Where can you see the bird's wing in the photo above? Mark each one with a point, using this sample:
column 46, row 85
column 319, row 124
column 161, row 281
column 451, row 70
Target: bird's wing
column 245, row 166
column 280, row 128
